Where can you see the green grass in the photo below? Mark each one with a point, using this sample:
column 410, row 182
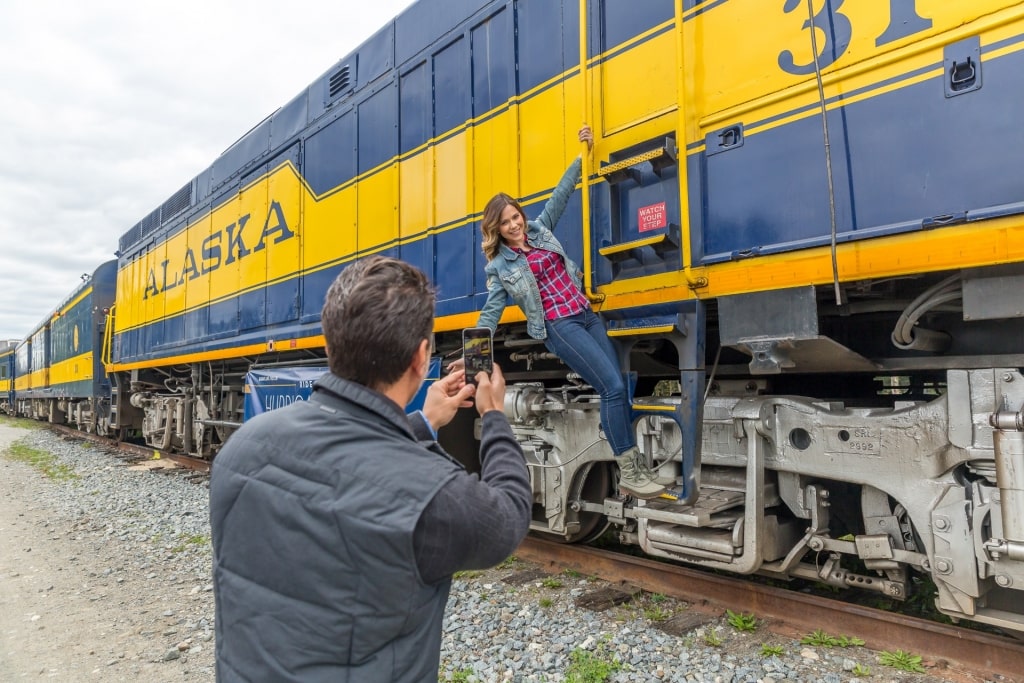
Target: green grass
column 551, row 583
column 741, row 622
column 902, row 660
column 20, row 422
column 467, row 574
column 590, row 667
column 822, row 639
column 189, row 541
column 656, row 613
column 772, row 650
column 40, row 460
column 508, row 562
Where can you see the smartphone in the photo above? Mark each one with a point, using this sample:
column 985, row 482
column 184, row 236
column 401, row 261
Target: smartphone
column 477, row 351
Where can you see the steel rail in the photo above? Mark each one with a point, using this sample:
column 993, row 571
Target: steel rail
column 137, row 450
column 964, row 649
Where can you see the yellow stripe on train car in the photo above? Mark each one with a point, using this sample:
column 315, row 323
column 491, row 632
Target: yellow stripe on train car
column 74, row 369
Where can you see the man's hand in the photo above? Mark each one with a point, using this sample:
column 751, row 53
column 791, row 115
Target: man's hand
column 445, row 397
column 490, row 390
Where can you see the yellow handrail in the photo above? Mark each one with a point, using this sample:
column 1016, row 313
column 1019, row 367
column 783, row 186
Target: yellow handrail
column 108, row 339
column 585, row 175
column 681, row 156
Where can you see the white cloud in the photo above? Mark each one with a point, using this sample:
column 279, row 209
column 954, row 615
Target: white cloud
column 110, row 106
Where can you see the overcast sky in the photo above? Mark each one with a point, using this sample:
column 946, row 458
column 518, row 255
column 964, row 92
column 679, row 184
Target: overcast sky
column 107, row 107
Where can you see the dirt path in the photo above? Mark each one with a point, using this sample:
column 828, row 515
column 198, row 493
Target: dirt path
column 64, row 616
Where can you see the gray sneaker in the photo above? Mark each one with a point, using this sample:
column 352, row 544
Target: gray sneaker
column 635, row 477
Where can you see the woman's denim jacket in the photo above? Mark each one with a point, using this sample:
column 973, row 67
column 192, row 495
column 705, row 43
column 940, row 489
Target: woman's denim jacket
column 508, row 273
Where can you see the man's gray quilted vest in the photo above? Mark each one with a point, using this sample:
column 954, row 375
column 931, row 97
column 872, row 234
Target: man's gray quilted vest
column 342, row 508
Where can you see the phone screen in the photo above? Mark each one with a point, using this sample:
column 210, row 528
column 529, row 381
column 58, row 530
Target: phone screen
column 477, row 351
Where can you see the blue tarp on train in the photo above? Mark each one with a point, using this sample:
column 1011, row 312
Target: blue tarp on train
column 271, row 388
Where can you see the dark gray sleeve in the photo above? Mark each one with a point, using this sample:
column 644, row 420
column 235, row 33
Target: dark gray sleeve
column 473, row 523
column 420, row 427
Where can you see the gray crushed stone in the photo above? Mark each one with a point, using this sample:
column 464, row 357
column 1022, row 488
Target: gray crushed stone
column 497, row 628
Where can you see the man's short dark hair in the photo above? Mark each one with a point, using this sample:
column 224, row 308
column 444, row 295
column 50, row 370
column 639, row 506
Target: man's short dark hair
column 376, row 314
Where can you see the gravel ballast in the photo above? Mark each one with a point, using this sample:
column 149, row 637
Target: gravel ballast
column 105, row 576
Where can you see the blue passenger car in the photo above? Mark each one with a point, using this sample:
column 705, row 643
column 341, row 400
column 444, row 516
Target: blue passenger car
column 64, row 379
column 7, row 349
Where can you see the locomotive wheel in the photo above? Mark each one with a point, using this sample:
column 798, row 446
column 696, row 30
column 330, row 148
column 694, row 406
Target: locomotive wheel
column 593, row 484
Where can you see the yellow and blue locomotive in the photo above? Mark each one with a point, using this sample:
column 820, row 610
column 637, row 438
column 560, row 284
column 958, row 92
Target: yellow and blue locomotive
column 801, row 221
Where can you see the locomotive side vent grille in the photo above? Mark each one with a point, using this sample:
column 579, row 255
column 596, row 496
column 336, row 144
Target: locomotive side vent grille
column 339, row 82
column 150, row 222
column 130, row 237
column 178, row 202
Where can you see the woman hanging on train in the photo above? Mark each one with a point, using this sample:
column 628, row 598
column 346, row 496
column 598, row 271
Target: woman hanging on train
column 527, row 262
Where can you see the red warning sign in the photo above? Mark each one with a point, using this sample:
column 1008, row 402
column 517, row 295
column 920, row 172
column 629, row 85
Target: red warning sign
column 652, row 217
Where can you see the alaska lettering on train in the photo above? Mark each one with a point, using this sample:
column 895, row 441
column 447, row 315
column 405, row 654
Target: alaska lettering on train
column 212, row 254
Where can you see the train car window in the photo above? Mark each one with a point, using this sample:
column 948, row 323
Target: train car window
column 451, row 86
column 493, row 63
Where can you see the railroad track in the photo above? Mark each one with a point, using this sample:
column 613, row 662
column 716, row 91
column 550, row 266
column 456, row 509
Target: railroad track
column 135, row 451
column 968, row 652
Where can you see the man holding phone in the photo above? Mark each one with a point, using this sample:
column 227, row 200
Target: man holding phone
column 338, row 522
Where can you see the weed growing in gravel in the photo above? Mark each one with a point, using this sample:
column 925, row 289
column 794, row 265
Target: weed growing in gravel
column 40, row 460
column 656, row 597
column 656, row 613
column 460, row 676
column 188, row 541
column 591, row 667
column 572, row 573
column 822, row 639
column 546, row 602
column 902, row 660
column 551, row 583
column 741, row 622
column 508, row 562
column 861, row 671
column 772, row 650
column 468, row 574
column 712, row 638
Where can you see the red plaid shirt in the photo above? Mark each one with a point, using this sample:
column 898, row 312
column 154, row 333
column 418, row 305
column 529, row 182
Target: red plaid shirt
column 558, row 294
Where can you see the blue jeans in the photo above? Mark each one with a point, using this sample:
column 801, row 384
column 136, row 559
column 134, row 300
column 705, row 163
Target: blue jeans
column 581, row 341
